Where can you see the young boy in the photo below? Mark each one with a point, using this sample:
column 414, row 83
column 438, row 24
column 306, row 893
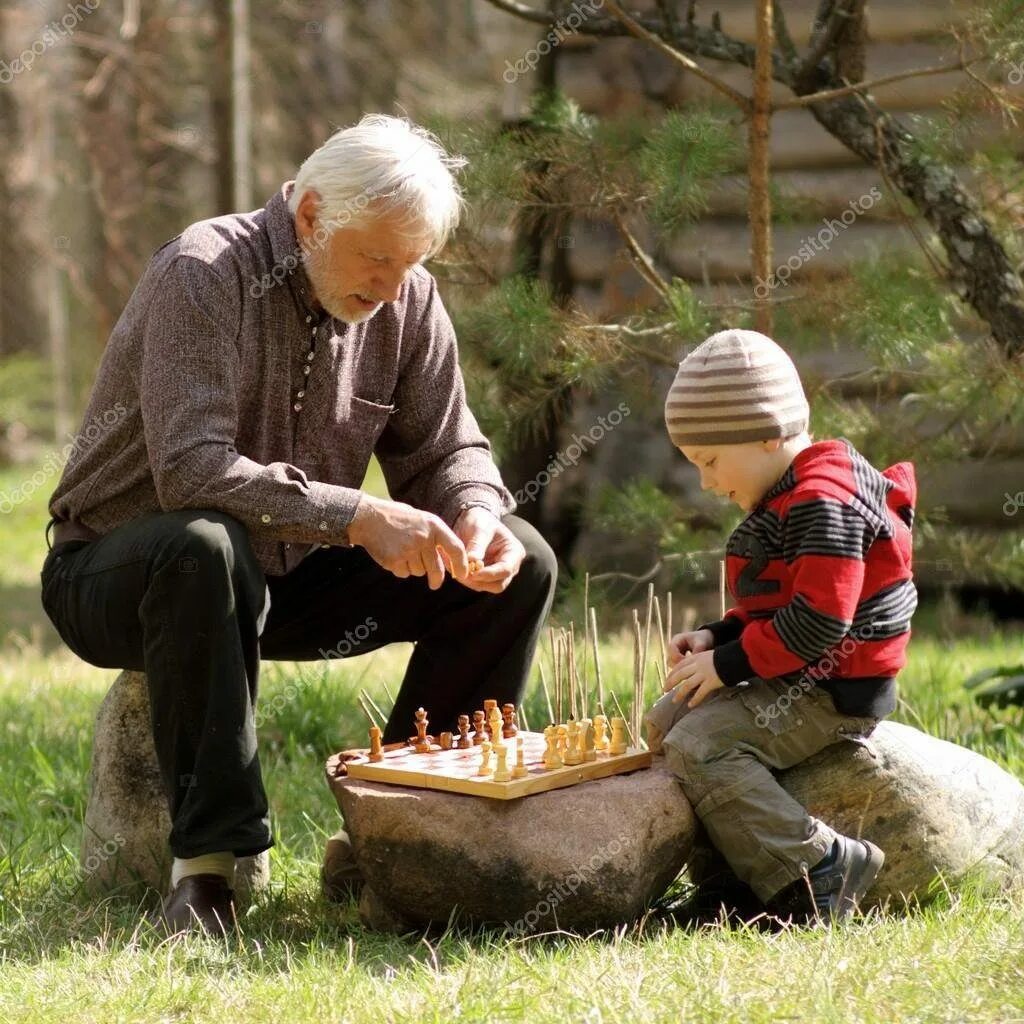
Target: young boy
column 820, row 571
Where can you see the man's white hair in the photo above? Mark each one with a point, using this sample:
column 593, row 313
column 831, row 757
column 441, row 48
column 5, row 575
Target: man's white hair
column 379, row 166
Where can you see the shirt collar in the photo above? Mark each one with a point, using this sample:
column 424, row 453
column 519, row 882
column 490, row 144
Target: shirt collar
column 287, row 253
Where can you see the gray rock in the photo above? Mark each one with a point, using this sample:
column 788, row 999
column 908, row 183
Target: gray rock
column 589, row 856
column 124, row 840
column 934, row 807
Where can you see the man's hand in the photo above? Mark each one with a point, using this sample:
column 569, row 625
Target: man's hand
column 694, row 676
column 493, row 546
column 407, row 541
column 695, row 640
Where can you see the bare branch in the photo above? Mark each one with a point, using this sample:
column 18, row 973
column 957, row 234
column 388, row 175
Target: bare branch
column 643, row 262
column 874, row 83
column 638, row 30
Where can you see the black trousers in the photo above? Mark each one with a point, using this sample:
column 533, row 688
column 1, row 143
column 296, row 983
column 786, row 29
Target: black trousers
column 181, row 597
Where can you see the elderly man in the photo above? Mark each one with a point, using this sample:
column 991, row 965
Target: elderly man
column 216, row 518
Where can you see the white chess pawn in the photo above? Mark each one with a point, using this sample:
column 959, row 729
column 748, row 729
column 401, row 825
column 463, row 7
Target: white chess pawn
column 587, row 737
column 519, row 771
column 600, row 732
column 485, row 759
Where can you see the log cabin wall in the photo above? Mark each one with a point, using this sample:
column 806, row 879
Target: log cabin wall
column 816, row 178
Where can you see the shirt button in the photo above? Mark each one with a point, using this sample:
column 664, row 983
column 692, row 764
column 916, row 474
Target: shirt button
column 297, row 406
column 309, row 357
column 300, row 394
column 264, row 518
column 309, row 319
column 307, row 369
column 321, row 526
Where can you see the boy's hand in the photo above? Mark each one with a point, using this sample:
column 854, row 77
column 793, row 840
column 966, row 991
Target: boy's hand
column 695, row 641
column 695, row 677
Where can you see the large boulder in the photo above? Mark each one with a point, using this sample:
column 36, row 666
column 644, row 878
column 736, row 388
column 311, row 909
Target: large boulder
column 127, row 823
column 589, row 856
column 935, row 808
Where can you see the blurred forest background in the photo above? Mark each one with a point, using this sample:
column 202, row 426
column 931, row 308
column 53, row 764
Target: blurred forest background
column 609, row 231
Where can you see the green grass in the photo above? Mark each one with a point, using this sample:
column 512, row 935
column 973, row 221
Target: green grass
column 76, row 959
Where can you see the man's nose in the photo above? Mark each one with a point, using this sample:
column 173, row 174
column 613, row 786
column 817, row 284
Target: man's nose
column 389, row 285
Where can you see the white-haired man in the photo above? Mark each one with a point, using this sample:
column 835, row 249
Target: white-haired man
column 261, row 360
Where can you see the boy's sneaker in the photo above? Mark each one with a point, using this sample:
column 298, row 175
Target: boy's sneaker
column 834, row 887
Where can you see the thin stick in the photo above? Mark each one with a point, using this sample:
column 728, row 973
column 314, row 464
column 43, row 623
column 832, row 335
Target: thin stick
column 373, row 704
column 522, row 718
column 721, row 587
column 586, row 634
column 661, row 631
column 388, row 692
column 637, row 664
column 570, row 671
column 547, row 694
column 622, row 715
column 668, row 616
column 366, row 711
column 597, row 663
column 646, row 647
column 554, row 671
column 573, row 675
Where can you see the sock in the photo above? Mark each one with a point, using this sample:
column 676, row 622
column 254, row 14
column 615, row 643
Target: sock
column 207, row 864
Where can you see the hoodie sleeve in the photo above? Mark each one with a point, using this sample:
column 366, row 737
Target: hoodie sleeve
column 825, row 542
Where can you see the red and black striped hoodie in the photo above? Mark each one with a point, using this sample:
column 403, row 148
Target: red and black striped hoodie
column 821, row 573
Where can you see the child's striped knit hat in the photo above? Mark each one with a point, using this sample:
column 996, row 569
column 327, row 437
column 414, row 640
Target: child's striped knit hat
column 737, row 386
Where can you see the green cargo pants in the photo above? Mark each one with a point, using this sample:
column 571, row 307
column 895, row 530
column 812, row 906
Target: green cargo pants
column 723, row 752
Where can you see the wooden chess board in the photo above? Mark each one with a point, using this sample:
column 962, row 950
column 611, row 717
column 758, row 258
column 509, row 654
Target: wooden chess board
column 455, row 771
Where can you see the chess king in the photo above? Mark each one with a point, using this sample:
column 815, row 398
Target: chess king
column 219, row 519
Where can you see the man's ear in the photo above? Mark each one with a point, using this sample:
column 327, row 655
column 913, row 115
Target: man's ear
column 306, row 213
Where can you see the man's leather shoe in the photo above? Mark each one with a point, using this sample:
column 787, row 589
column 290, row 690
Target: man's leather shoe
column 200, row 901
column 834, row 887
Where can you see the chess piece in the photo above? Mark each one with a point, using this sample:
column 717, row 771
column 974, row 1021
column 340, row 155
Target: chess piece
column 552, row 758
column 618, row 743
column 445, row 739
column 501, row 772
column 489, row 706
column 509, row 726
column 376, row 754
column 485, row 759
column 494, row 725
column 573, row 755
column 479, row 731
column 600, row 733
column 422, row 743
column 587, row 737
column 562, row 734
column 464, row 742
column 519, row 771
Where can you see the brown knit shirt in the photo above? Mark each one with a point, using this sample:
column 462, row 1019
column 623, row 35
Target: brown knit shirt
column 224, row 387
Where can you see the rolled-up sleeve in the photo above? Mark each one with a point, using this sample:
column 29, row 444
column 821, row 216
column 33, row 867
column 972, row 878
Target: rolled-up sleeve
column 433, row 454
column 189, row 401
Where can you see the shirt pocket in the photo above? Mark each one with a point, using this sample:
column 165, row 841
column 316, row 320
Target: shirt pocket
column 349, row 438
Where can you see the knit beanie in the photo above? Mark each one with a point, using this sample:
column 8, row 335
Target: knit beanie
column 737, row 386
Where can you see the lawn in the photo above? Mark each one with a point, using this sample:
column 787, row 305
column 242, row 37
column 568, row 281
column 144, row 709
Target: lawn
column 301, row 958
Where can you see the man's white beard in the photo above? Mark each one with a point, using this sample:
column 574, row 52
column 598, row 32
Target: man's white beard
column 329, row 294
